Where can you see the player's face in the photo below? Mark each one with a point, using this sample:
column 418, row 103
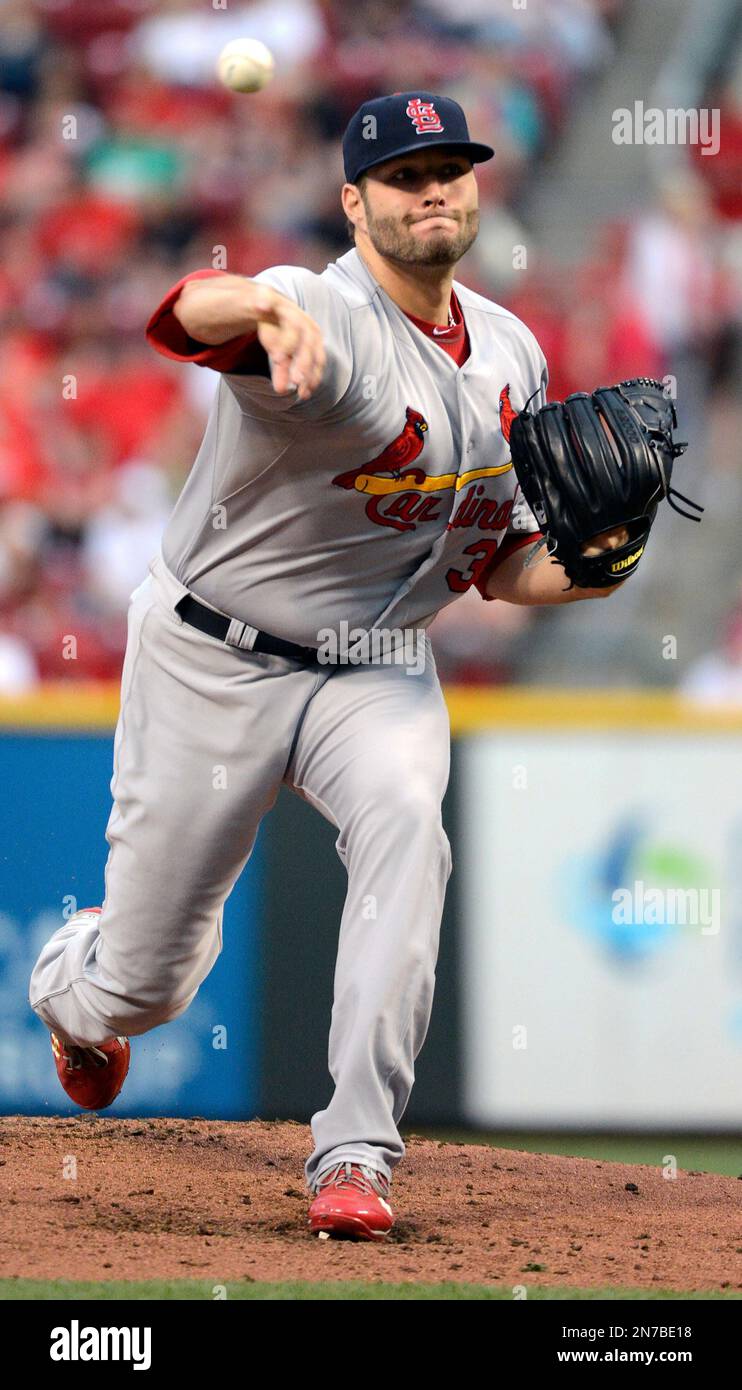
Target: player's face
column 422, row 209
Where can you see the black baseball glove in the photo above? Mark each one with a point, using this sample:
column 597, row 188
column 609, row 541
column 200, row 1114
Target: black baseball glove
column 596, row 462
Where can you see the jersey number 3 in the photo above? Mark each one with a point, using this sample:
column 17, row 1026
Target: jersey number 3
column 482, row 552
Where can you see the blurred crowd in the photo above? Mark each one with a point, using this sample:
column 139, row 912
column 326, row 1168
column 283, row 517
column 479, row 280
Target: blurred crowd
column 123, row 166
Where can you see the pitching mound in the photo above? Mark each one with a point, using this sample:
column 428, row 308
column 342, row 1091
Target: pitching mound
column 196, row 1199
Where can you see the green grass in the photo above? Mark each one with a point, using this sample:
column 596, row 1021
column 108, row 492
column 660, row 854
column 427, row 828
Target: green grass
column 199, row 1290
column 702, row 1153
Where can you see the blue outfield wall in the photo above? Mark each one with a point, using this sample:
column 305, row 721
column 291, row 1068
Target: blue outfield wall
column 272, row 987
column 53, row 814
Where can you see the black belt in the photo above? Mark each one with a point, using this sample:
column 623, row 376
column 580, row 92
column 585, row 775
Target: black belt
column 217, row 625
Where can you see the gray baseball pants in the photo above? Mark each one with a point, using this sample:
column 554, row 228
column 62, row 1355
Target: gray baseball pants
column 206, row 734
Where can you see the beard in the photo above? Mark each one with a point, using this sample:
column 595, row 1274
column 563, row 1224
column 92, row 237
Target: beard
column 396, row 242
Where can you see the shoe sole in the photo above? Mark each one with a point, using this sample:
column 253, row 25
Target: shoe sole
column 346, row 1228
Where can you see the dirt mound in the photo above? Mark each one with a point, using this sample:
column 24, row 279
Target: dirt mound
column 223, row 1201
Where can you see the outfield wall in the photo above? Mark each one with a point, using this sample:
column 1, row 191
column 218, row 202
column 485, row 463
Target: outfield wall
column 551, row 1009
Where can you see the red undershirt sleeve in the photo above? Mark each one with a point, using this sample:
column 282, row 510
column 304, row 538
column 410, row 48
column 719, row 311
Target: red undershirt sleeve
column 167, row 336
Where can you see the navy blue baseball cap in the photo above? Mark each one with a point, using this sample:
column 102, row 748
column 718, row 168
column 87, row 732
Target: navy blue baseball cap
column 405, row 121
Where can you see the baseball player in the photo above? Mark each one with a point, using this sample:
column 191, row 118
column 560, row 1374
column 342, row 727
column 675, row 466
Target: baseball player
column 354, row 478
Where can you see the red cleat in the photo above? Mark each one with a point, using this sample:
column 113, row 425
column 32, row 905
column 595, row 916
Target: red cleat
column 351, row 1201
column 92, row 1076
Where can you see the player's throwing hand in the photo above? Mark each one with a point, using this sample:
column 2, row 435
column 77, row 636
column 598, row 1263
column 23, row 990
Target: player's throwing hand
column 293, row 342
column 215, row 310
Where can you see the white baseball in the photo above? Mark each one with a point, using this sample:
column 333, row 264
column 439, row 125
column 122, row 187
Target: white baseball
column 245, row 65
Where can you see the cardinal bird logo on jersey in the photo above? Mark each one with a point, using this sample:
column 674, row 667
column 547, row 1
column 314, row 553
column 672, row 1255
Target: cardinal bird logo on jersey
column 507, row 414
column 383, row 474
column 401, row 493
column 407, row 446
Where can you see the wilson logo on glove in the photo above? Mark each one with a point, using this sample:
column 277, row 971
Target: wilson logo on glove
column 630, row 560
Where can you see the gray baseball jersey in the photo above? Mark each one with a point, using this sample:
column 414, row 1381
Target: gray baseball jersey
column 382, row 497
column 377, row 501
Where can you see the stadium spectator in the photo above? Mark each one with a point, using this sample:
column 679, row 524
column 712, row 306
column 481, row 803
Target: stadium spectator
column 716, row 678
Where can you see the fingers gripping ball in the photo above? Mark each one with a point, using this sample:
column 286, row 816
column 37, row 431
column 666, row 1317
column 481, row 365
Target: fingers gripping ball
column 596, row 463
column 245, row 65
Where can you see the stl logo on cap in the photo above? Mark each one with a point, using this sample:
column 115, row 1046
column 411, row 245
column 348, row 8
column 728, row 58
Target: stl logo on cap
column 424, row 116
